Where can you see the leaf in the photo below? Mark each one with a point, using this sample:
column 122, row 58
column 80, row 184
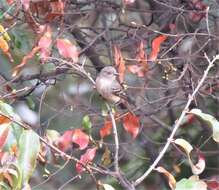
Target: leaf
column 45, row 43
column 120, row 63
column 4, row 129
column 67, row 49
column 131, row 124
column 184, row 144
column 29, row 147
column 87, row 157
column 142, row 66
column 4, row 120
column 106, row 158
column 80, row 138
column 170, row 177
column 197, row 168
column 5, row 34
column 10, row 2
column 4, row 44
column 106, row 129
column 212, row 184
column 156, row 43
column 57, row 9
column 191, row 184
column 65, row 141
column 107, row 187
column 86, row 123
column 26, row 4
column 211, row 121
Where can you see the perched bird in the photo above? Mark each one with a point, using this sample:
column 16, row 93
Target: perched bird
column 108, row 86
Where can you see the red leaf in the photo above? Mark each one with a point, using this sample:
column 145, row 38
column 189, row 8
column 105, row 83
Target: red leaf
column 45, row 43
column 136, row 69
column 3, row 135
column 120, row 63
column 156, row 47
column 131, row 124
column 142, row 66
column 126, row 2
column 86, row 158
column 106, row 129
column 10, row 2
column 213, row 184
column 65, row 141
column 80, row 138
column 57, row 9
column 67, row 49
column 26, row 4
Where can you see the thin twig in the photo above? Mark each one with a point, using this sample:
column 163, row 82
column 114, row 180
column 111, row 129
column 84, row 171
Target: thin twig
column 116, row 139
column 178, row 122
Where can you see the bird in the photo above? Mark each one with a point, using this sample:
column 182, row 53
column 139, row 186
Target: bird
column 109, row 88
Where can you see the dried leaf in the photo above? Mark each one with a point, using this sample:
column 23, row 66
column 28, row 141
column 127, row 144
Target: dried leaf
column 120, row 63
column 170, row 177
column 211, row 121
column 57, row 9
column 197, row 168
column 156, row 43
column 142, row 66
column 80, row 138
column 131, row 124
column 67, row 49
column 4, row 130
column 45, row 43
column 86, row 158
column 65, row 141
column 106, row 129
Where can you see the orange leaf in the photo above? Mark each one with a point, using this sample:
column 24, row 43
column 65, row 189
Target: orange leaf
column 3, row 44
column 171, row 179
column 106, row 129
column 131, row 124
column 156, row 47
column 80, row 138
column 4, row 120
column 142, row 66
column 87, row 157
column 67, row 49
column 120, row 63
column 3, row 135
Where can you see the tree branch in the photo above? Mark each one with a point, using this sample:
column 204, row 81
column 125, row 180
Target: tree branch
column 177, row 125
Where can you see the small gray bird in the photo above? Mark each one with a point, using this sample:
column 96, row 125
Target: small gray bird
column 107, row 84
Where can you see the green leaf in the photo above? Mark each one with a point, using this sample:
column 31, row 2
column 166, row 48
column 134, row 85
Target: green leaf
column 108, row 187
column 29, row 147
column 86, row 123
column 193, row 183
column 15, row 129
column 211, row 121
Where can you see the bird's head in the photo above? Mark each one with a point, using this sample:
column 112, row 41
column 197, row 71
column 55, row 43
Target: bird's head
column 108, row 72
